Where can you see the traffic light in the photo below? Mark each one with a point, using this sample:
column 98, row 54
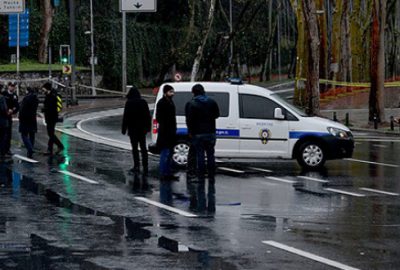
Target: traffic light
column 65, row 54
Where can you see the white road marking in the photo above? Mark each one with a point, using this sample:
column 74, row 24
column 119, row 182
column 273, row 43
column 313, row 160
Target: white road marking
column 344, row 192
column 260, row 169
column 281, row 180
column 229, row 170
column 25, row 158
column 313, row 179
column 380, row 191
column 370, row 162
column 309, row 255
column 376, row 140
column 166, row 207
column 79, row 177
column 380, row 145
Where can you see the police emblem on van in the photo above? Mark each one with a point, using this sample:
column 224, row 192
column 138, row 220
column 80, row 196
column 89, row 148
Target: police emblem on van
column 264, row 135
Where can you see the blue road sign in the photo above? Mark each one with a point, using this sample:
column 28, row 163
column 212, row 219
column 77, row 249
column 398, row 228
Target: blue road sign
column 23, row 29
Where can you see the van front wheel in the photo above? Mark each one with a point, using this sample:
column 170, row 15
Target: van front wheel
column 311, row 155
column 180, row 153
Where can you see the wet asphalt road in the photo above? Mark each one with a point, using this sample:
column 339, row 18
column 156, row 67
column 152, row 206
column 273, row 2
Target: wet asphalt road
column 83, row 210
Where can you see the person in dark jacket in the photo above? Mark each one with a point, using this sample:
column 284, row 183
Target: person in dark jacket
column 137, row 121
column 27, row 120
column 13, row 107
column 201, row 114
column 51, row 117
column 166, row 140
column 3, row 125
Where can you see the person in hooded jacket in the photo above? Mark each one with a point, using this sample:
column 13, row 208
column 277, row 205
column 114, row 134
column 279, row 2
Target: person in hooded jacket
column 137, row 121
column 201, row 114
column 27, row 120
column 51, row 117
column 166, row 139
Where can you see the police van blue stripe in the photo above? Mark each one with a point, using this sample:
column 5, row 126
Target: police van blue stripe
column 300, row 134
column 219, row 132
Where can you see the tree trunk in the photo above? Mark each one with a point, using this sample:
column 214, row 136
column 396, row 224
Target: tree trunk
column 47, row 15
column 312, row 83
column 200, row 49
column 345, row 49
column 376, row 96
column 323, row 59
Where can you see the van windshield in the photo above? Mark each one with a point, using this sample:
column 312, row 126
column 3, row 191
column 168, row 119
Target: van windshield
column 288, row 105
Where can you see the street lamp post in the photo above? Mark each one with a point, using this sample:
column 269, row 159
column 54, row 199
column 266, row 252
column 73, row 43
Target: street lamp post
column 92, row 48
column 230, row 32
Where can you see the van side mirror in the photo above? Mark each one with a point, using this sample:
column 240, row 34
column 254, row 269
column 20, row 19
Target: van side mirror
column 278, row 114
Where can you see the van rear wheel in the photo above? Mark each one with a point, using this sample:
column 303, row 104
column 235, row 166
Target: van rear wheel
column 180, row 153
column 311, row 155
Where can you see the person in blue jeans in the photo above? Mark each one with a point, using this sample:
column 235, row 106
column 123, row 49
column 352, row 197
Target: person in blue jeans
column 166, row 139
column 201, row 114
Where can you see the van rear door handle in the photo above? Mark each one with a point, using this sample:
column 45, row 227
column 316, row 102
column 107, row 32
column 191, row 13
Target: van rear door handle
column 231, row 126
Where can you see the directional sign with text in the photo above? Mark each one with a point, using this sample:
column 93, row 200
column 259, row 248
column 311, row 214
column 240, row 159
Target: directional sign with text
column 23, row 29
column 12, row 6
column 138, row 5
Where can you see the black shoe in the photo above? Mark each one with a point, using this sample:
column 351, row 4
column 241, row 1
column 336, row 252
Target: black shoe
column 173, row 177
column 59, row 150
column 29, row 154
column 48, row 153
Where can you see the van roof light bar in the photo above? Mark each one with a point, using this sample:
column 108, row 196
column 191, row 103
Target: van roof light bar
column 235, row 81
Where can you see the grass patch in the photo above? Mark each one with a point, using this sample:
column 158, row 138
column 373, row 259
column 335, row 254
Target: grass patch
column 29, row 66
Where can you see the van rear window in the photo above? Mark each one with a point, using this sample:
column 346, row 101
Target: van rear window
column 222, row 99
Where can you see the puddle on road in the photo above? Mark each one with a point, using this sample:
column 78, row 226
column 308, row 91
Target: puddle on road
column 55, row 253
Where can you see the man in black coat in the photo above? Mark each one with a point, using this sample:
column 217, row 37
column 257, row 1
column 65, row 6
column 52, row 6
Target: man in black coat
column 201, row 114
column 27, row 120
column 137, row 121
column 51, row 117
column 166, row 140
column 13, row 107
column 3, row 125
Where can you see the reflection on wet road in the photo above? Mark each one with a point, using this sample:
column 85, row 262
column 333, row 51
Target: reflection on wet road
column 84, row 209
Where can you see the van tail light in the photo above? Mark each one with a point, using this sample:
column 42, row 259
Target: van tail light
column 155, row 126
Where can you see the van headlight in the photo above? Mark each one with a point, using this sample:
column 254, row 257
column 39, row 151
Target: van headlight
column 337, row 132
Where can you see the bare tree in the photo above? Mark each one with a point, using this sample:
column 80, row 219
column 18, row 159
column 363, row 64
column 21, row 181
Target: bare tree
column 47, row 15
column 312, row 83
column 376, row 95
column 200, row 49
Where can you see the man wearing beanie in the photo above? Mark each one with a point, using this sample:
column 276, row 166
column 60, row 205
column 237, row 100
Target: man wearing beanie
column 201, row 113
column 51, row 117
column 165, row 115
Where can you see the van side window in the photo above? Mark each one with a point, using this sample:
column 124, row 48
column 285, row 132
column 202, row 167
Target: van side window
column 222, row 99
column 256, row 107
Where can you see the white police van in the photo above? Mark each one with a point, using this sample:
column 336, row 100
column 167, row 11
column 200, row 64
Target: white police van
column 256, row 123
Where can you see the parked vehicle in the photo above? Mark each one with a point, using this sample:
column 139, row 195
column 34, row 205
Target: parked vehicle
column 256, row 123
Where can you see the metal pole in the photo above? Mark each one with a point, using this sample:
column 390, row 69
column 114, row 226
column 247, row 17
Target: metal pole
column 230, row 32
column 18, row 53
column 123, row 51
column 92, row 47
column 279, row 48
column 72, row 41
column 50, row 56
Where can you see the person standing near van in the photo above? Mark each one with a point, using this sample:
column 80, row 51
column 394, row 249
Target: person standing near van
column 51, row 117
column 13, row 107
column 3, row 126
column 27, row 120
column 165, row 116
column 201, row 114
column 137, row 121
